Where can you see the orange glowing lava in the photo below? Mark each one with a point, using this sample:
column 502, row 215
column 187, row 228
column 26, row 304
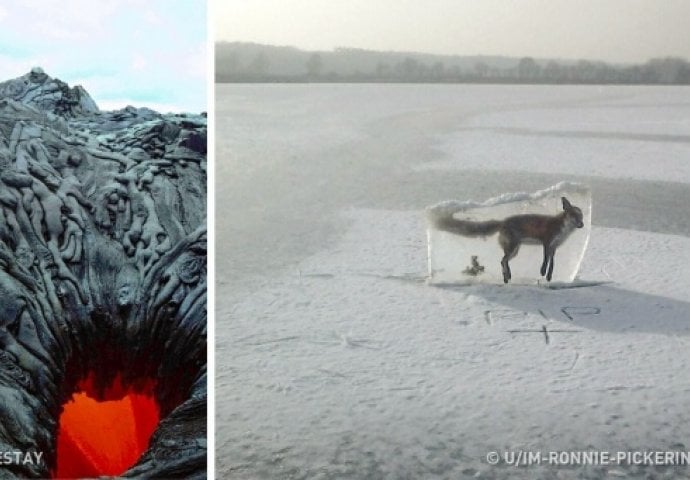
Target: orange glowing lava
column 104, row 437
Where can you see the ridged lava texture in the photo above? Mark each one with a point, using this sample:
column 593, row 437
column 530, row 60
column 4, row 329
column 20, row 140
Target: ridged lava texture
column 102, row 269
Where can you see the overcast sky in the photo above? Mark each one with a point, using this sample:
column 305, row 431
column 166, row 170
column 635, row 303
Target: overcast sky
column 139, row 52
column 610, row 30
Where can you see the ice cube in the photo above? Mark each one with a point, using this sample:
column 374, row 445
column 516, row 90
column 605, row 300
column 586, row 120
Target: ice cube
column 463, row 259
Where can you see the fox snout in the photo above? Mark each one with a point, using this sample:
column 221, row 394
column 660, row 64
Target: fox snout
column 576, row 222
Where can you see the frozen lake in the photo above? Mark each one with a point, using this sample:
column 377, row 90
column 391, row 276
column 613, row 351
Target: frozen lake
column 336, row 360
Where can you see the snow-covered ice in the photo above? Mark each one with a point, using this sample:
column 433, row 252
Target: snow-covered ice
column 336, row 359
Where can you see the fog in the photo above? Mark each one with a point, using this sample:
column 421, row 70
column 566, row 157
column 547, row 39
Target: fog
column 612, row 31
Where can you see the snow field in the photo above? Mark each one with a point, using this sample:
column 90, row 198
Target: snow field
column 336, row 358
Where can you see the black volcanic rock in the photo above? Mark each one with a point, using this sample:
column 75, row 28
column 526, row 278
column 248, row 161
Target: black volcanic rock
column 47, row 94
column 102, row 267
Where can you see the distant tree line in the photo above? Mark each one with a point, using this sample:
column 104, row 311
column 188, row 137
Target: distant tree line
column 255, row 63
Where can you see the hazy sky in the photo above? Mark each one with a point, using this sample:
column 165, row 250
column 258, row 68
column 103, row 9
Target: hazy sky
column 139, row 52
column 611, row 30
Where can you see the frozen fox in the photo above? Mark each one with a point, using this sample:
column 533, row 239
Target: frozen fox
column 548, row 230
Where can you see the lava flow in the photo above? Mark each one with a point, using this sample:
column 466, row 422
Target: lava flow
column 106, row 436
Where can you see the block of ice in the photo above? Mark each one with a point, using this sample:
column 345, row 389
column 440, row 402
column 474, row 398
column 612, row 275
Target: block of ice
column 467, row 241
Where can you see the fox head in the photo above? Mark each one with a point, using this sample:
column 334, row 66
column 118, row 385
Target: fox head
column 572, row 213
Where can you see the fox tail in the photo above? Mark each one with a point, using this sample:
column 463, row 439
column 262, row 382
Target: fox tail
column 441, row 217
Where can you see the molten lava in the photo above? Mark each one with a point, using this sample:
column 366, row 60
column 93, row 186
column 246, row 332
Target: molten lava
column 105, row 437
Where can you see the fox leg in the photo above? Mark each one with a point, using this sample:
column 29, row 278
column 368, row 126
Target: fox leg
column 549, row 251
column 510, row 249
column 548, row 275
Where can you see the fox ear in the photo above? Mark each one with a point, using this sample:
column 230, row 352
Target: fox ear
column 566, row 203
